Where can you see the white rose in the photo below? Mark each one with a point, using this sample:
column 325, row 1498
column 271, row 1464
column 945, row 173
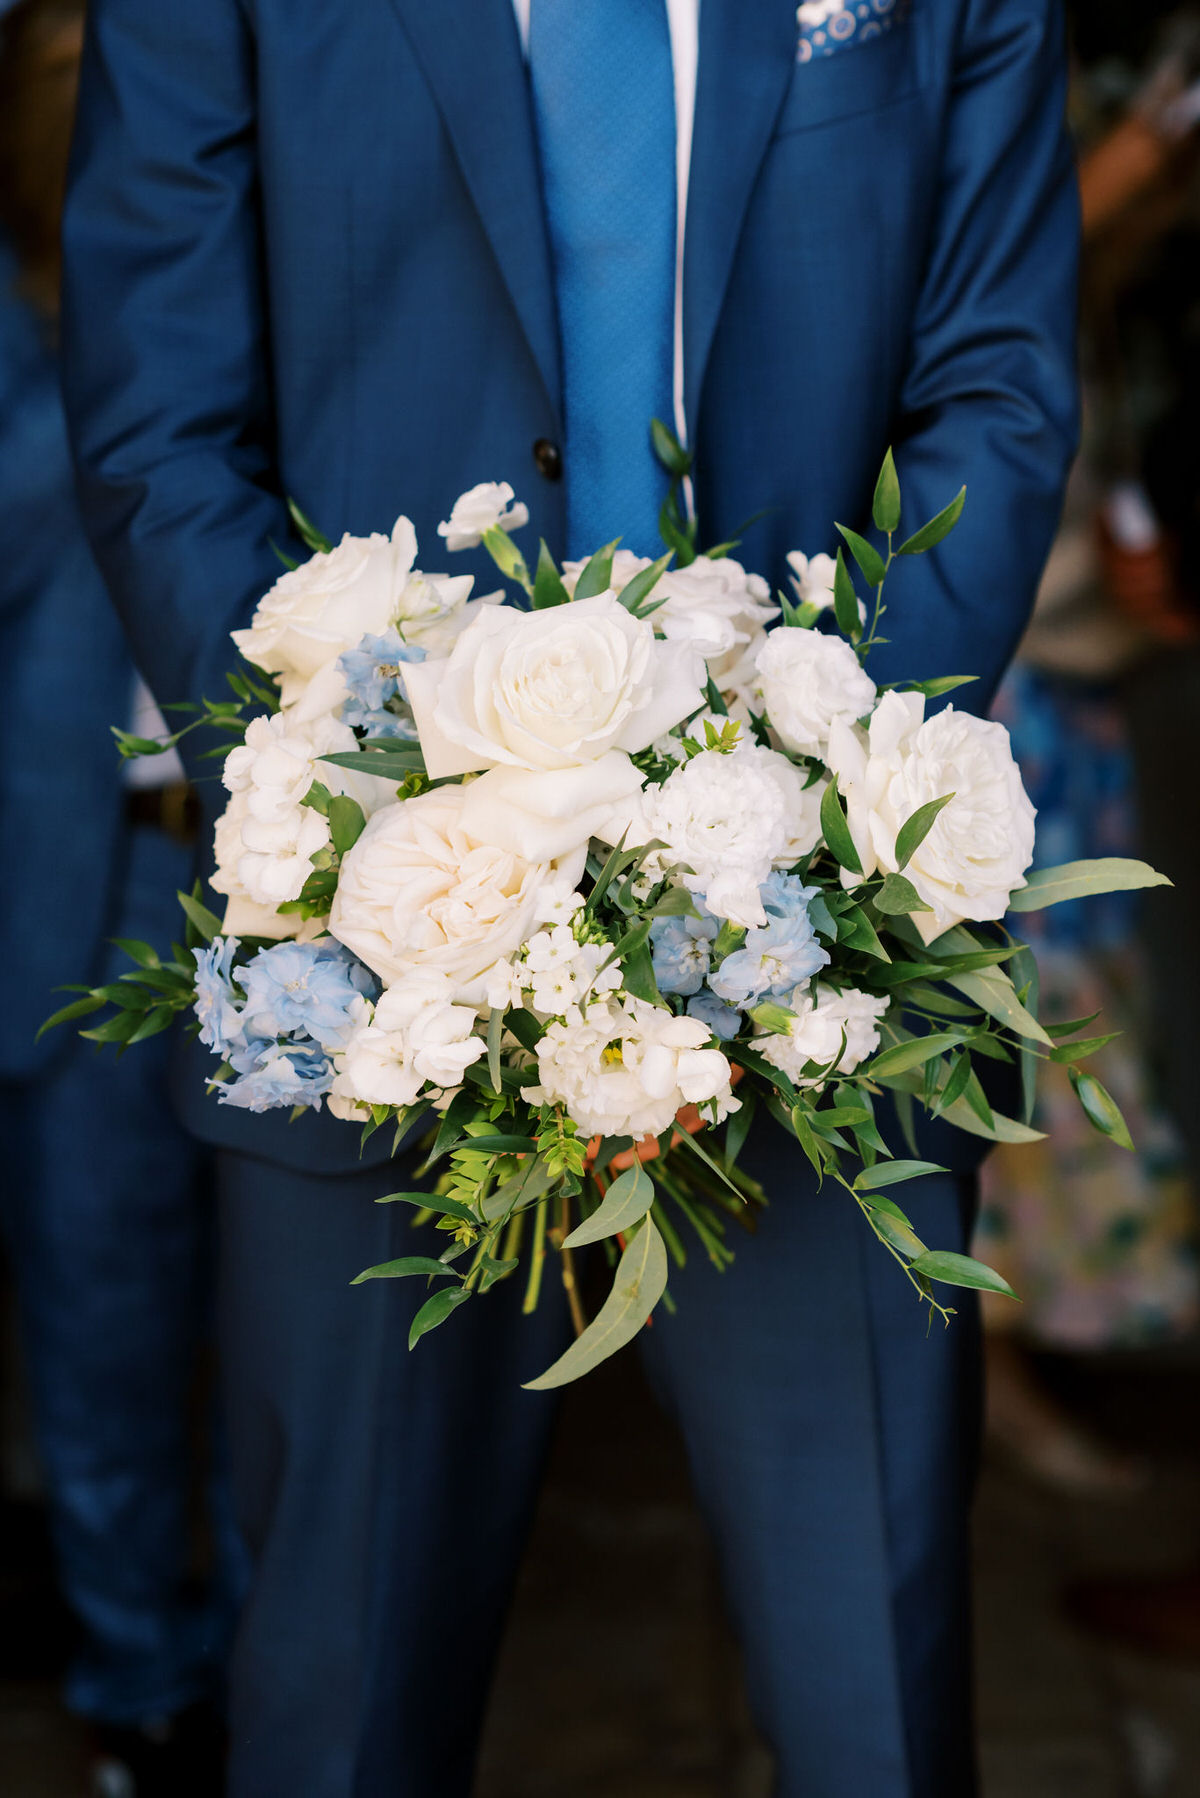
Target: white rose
column 809, row 682
column 730, row 819
column 551, row 703
column 328, row 605
column 482, row 508
column 815, row 1033
column 981, row 843
column 418, row 892
column 627, row 1069
column 812, row 578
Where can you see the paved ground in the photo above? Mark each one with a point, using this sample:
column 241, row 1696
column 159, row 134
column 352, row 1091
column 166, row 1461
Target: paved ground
column 619, row 1680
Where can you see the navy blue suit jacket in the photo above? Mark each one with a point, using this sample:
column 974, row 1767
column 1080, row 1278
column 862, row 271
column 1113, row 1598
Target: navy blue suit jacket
column 65, row 677
column 306, row 255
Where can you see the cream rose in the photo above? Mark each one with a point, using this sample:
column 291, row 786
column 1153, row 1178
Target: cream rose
column 810, row 681
column 981, row 843
column 418, row 892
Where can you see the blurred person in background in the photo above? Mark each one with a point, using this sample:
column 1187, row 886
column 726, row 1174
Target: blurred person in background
column 104, row 1212
column 1109, row 678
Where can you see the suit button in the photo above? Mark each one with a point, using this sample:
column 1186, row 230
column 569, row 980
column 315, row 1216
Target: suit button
column 548, row 457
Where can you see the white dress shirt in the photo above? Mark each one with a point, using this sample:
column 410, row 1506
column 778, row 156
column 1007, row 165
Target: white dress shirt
column 683, row 20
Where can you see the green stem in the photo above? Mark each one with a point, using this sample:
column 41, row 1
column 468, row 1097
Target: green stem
column 537, row 1259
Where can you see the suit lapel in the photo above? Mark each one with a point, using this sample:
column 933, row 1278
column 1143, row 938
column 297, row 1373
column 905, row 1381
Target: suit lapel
column 470, row 53
column 747, row 56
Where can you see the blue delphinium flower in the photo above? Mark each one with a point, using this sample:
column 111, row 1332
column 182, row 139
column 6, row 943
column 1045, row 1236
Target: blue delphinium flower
column 680, row 949
column 304, row 989
column 777, row 956
column 216, row 1004
column 723, row 1020
column 276, row 1074
column 375, row 698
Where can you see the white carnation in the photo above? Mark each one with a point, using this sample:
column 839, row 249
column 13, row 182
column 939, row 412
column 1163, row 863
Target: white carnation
column 810, row 682
column 490, row 505
column 981, row 843
column 730, row 819
column 627, row 1069
column 815, row 1033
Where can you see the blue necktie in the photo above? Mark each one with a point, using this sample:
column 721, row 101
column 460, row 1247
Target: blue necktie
column 604, row 98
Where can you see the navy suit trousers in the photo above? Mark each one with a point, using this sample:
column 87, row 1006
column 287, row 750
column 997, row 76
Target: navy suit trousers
column 386, row 1496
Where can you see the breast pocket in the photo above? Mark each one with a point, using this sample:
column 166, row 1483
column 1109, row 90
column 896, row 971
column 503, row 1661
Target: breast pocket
column 871, row 69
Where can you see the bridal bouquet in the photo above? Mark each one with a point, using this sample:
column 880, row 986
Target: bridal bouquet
column 580, row 889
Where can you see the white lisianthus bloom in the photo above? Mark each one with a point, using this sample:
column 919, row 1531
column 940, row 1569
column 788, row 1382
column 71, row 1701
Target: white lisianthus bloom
column 730, row 819
column 812, row 578
column 626, row 1069
column 815, row 1033
column 417, row 891
column 809, row 682
column 551, row 704
column 483, row 508
column 981, row 843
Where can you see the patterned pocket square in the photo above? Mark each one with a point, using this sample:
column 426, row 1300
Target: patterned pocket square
column 827, row 26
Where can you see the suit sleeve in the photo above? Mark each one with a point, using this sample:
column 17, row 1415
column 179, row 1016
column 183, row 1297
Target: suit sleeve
column 165, row 357
column 990, row 394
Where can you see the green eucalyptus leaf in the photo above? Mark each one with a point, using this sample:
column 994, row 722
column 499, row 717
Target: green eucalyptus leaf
column 959, row 1270
column 914, row 830
column 347, row 822
column 871, row 564
column 199, row 917
column 316, row 540
column 435, row 1311
column 885, row 507
column 640, row 1281
column 1075, row 880
column 892, row 1173
column 596, row 575
column 548, row 588
column 401, row 1269
column 845, row 601
column 670, row 452
column 78, row 1008
column 634, row 592
column 625, row 1204
column 836, row 830
column 1101, row 1108
column 937, row 528
column 898, row 896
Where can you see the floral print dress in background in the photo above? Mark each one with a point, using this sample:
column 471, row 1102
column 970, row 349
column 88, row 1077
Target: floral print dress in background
column 1098, row 1243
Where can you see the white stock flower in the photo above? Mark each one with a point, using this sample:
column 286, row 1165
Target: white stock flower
column 815, row 1033
column 731, row 819
column 417, row 891
column 981, row 843
column 627, row 1069
column 558, row 973
column 812, row 578
column 480, row 509
column 809, row 682
column 551, row 704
